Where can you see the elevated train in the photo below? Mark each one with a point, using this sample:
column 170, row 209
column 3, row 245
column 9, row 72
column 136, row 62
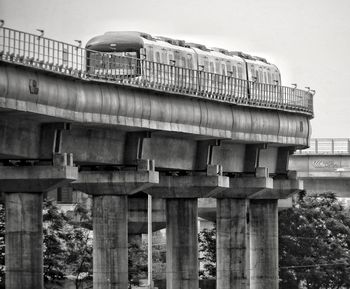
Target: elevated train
column 164, row 61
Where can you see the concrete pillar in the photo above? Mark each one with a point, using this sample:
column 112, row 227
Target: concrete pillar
column 24, row 241
column 182, row 243
column 110, row 245
column 232, row 248
column 263, row 244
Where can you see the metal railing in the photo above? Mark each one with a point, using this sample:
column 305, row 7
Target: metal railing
column 327, row 146
column 59, row 57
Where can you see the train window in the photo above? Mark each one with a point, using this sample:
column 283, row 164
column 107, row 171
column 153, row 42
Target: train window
column 164, row 57
column 183, row 62
column 223, row 69
column 217, row 66
column 206, row 64
column 177, row 57
column 171, row 59
column 240, row 72
column 158, row 57
column 190, row 61
column 118, row 63
column 211, row 68
column 150, row 54
column 234, row 71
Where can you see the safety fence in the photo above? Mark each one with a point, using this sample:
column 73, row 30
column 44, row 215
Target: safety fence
column 63, row 58
column 327, row 146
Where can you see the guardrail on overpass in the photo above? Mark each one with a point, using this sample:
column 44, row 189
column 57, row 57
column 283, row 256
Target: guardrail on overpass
column 62, row 58
column 327, row 146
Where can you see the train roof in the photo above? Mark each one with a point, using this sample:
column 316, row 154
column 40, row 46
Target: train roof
column 124, row 40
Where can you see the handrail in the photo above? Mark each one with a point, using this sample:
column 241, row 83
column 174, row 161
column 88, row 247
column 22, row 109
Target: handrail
column 329, row 146
column 63, row 58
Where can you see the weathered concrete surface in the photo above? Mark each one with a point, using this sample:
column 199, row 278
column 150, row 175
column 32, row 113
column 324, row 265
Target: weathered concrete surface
column 245, row 187
column 182, row 243
column 95, row 103
column 323, row 173
column 24, row 241
column 232, row 244
column 35, row 178
column 137, row 214
column 115, row 182
column 110, row 243
column 188, row 186
column 263, row 244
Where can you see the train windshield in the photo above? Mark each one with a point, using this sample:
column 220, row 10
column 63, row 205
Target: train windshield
column 114, row 63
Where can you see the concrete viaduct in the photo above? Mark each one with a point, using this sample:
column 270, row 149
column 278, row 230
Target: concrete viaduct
column 113, row 139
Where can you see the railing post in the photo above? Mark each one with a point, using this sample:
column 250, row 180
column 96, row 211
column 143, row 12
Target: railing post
column 316, row 145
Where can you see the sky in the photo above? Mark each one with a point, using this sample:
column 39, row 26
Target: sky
column 308, row 40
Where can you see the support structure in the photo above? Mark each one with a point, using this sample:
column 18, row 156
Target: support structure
column 24, row 240
column 182, row 243
column 110, row 219
column 232, row 250
column 263, row 244
column 233, row 229
column 110, row 245
column 23, row 187
column 181, row 193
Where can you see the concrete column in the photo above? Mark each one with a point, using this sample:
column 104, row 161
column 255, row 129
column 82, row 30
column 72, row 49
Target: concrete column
column 232, row 250
column 182, row 243
column 263, row 244
column 110, row 245
column 24, row 241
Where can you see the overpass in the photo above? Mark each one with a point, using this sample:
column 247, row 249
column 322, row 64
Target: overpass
column 324, row 166
column 115, row 136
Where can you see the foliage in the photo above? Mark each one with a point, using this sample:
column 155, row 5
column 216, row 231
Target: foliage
column 79, row 246
column 207, row 251
column 67, row 244
column 314, row 241
column 55, row 237
column 137, row 261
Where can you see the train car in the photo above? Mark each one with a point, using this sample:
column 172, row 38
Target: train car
column 170, row 63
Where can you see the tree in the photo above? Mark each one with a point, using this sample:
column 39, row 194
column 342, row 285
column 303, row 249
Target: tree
column 55, row 237
column 207, row 251
column 314, row 241
column 79, row 246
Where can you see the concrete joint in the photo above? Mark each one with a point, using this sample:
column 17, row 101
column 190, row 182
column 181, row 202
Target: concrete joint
column 246, row 187
column 198, row 186
column 115, row 182
column 214, row 170
column 145, row 165
column 282, row 189
column 62, row 159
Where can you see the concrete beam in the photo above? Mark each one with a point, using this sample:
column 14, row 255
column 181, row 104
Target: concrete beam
column 244, row 187
column 115, row 182
column 35, row 178
column 199, row 186
column 282, row 188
